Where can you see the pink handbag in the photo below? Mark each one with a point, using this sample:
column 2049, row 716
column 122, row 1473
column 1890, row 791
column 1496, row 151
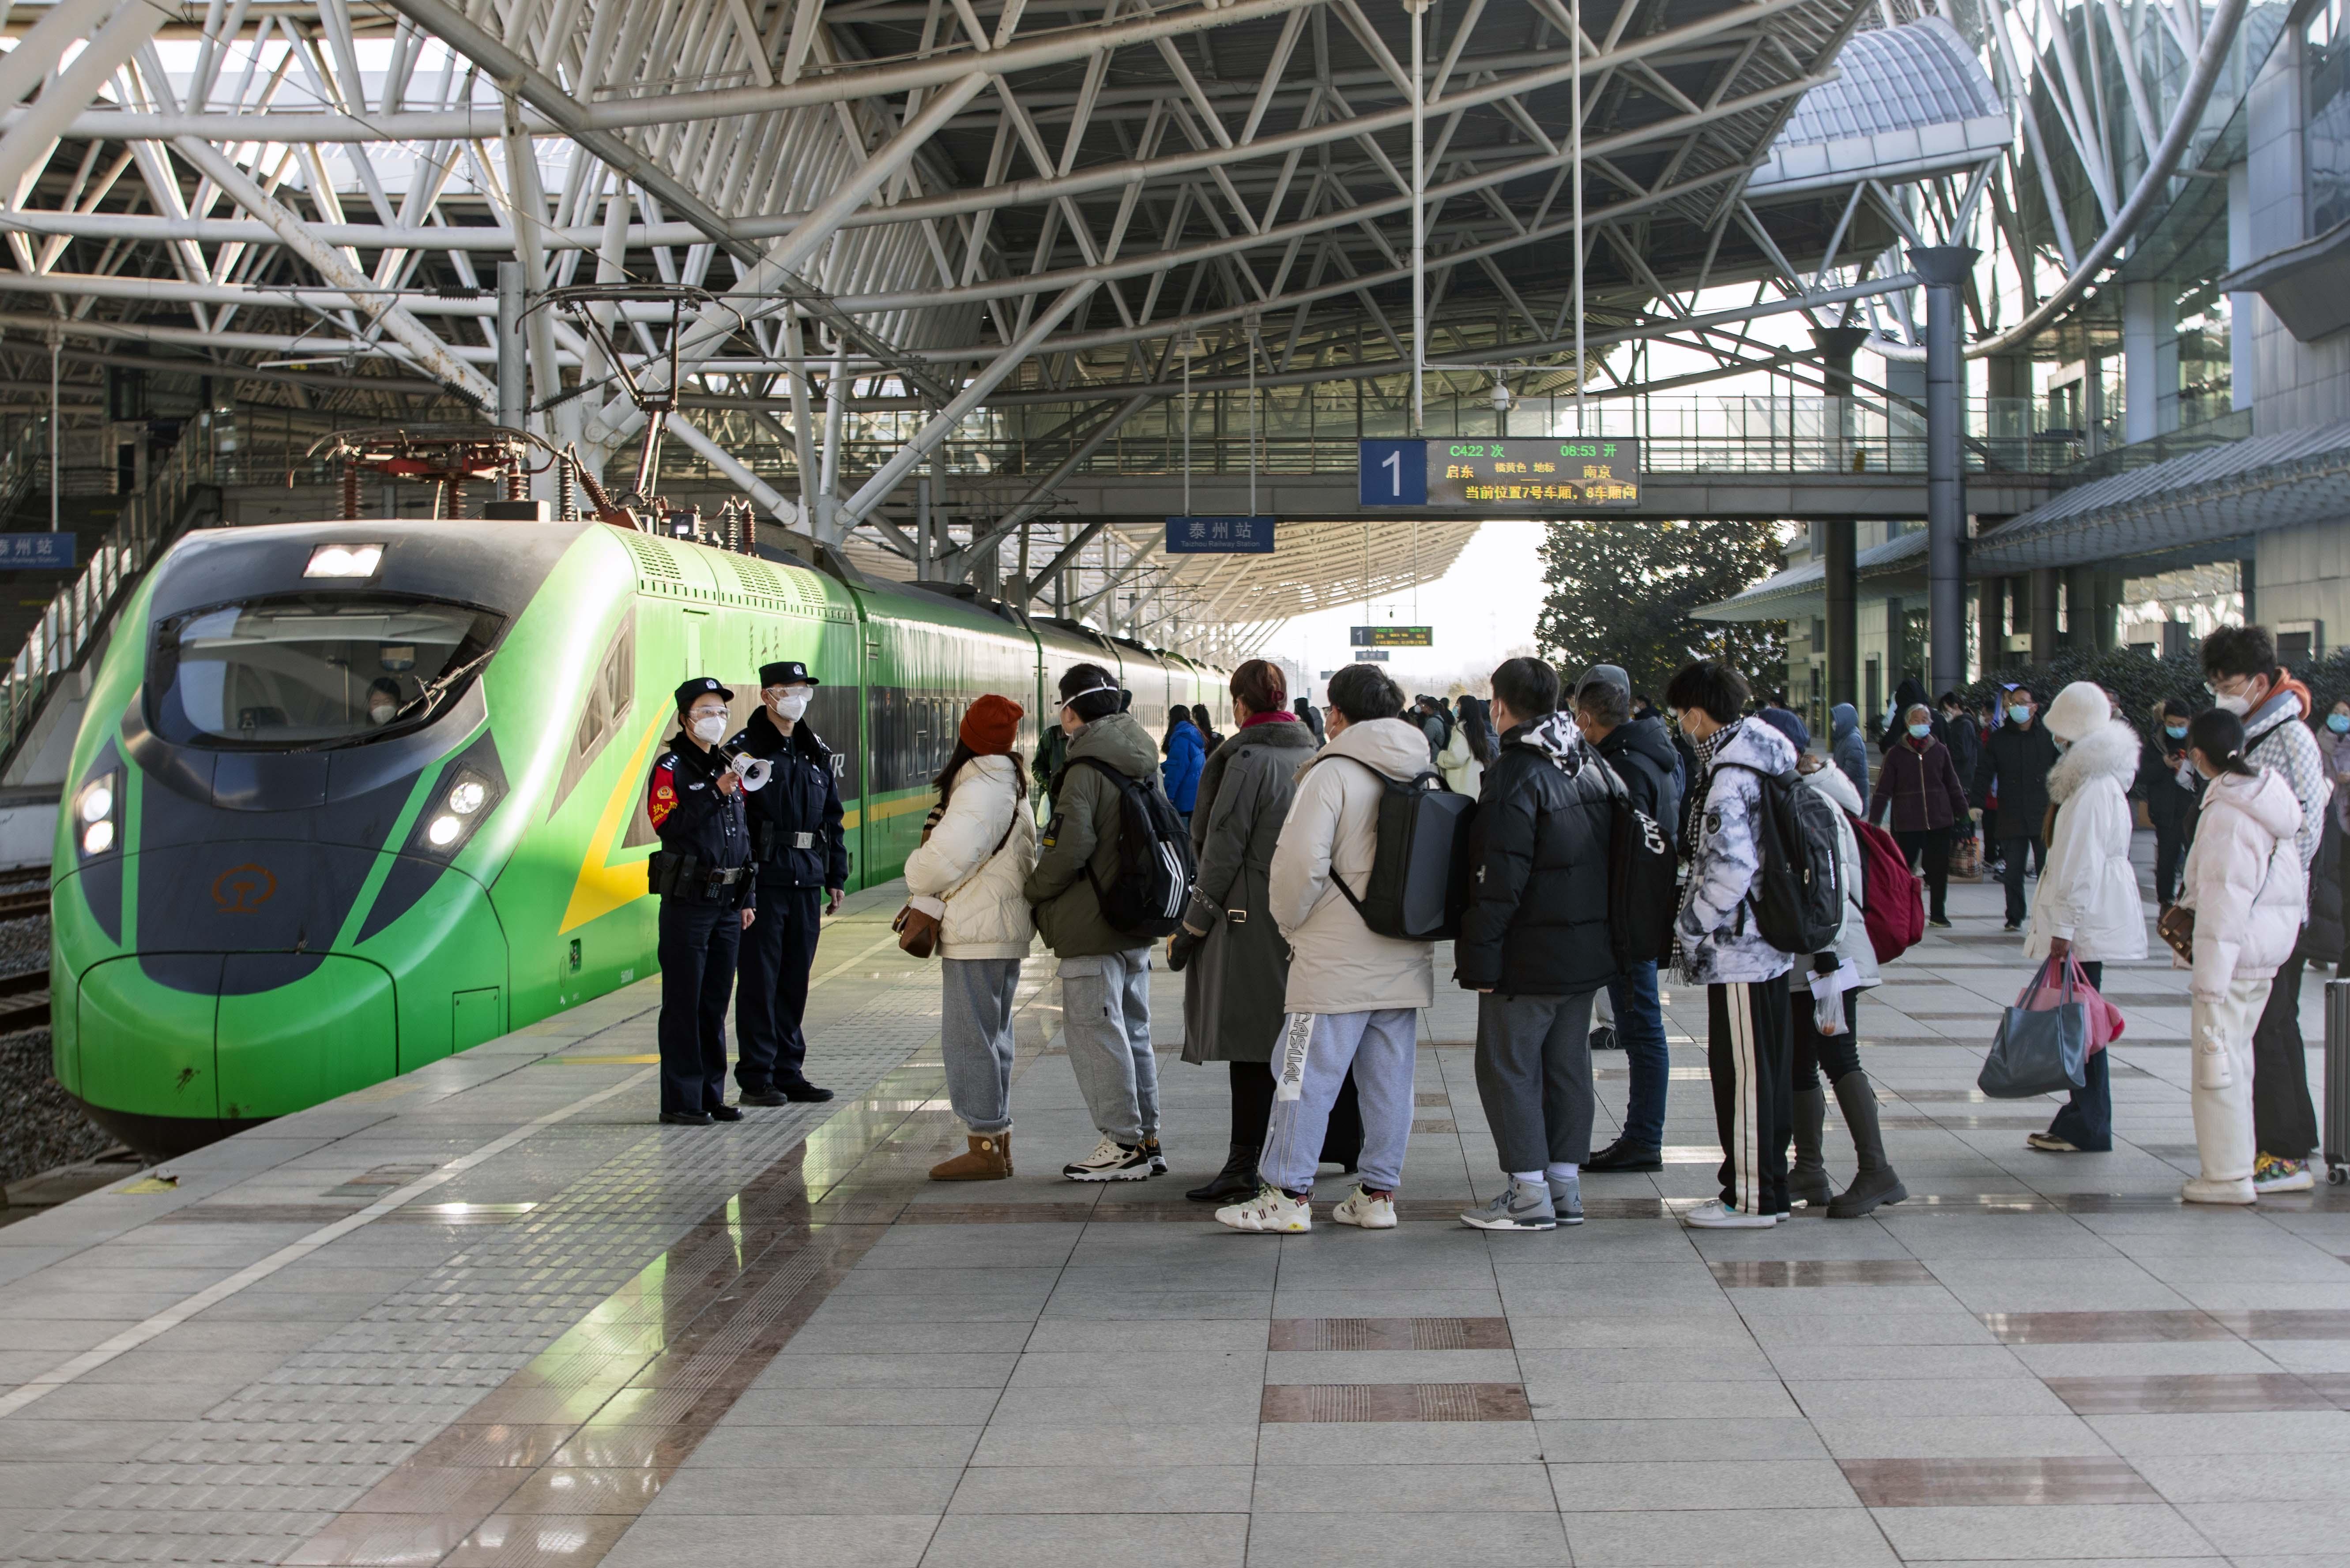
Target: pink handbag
column 2045, row 992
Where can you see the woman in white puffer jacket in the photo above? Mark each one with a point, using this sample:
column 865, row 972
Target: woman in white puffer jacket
column 2088, row 905
column 2245, row 884
column 968, row 874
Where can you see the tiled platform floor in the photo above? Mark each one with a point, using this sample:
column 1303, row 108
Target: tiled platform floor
column 487, row 1314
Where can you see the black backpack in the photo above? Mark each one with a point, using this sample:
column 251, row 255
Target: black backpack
column 1799, row 906
column 1419, row 886
column 1154, row 858
column 1643, row 896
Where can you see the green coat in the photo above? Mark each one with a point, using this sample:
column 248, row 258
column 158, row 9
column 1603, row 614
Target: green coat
column 1234, row 983
column 1084, row 832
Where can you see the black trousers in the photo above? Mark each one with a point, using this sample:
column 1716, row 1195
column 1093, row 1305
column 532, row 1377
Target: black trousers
column 2086, row 1120
column 2015, row 852
column 1815, row 1053
column 1746, row 1052
column 1931, row 847
column 2284, row 1123
column 2170, row 847
column 778, row 950
column 1342, row 1139
column 698, row 944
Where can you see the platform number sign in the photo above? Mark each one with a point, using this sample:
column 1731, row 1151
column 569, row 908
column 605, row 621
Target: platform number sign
column 1394, row 472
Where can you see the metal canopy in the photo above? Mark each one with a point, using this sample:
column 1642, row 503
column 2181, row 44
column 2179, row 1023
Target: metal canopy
column 1899, row 565
column 2206, row 501
column 1911, row 102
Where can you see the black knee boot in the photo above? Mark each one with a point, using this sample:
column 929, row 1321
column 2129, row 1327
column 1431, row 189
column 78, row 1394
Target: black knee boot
column 1875, row 1182
column 1807, row 1178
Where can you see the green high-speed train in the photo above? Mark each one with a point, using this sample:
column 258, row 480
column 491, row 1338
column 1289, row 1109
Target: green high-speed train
column 351, row 797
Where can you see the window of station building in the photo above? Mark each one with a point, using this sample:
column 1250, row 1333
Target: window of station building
column 2326, row 114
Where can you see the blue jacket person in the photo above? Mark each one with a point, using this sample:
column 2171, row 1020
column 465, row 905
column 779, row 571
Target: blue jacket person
column 703, row 873
column 803, row 865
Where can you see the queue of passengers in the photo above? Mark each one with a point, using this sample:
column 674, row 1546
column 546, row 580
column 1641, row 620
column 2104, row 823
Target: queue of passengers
column 1258, row 882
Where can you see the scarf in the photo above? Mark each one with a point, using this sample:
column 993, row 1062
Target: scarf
column 1278, row 716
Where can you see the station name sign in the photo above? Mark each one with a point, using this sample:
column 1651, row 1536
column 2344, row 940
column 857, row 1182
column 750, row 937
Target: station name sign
column 1545, row 472
column 1219, row 535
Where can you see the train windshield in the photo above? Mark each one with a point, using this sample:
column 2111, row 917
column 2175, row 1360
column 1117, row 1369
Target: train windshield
column 312, row 669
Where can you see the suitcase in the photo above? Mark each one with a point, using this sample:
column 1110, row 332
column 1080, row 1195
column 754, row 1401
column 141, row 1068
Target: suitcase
column 2337, row 1080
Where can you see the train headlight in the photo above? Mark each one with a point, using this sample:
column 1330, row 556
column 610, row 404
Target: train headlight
column 466, row 803
column 95, row 812
column 468, row 796
column 442, row 831
column 344, row 561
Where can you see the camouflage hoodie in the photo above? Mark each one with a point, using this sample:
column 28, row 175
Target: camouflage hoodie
column 1715, row 941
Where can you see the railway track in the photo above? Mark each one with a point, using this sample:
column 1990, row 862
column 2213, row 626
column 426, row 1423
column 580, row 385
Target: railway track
column 19, row 905
column 24, row 998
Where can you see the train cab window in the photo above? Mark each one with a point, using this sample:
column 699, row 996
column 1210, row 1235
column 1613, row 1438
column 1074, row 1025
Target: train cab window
column 311, row 670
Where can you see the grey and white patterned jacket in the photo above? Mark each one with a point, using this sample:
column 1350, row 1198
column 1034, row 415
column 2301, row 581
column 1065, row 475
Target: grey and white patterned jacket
column 2276, row 738
column 1715, row 935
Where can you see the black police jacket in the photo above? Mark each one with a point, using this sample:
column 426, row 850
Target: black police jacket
column 695, row 819
column 1536, row 923
column 796, row 819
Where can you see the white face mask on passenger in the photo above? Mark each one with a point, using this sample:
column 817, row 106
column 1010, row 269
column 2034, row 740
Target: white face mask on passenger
column 2234, row 703
column 790, row 706
column 382, row 713
column 710, row 728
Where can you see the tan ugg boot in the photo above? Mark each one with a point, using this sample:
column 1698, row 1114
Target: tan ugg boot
column 988, row 1160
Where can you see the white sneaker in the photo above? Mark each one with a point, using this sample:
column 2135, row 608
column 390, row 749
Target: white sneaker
column 1157, row 1156
column 1366, row 1210
column 2049, row 1143
column 1716, row 1215
column 1271, row 1209
column 1111, row 1161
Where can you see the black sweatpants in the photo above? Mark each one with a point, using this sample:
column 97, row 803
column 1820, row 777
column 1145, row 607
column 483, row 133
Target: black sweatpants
column 698, row 944
column 1930, row 849
column 1746, row 1050
column 1815, row 1053
column 2284, row 1123
column 778, row 950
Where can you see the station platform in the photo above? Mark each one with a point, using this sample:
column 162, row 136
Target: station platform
column 491, row 1313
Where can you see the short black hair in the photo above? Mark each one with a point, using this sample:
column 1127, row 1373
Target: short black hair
column 1607, row 703
column 2175, row 707
column 2219, row 736
column 2026, row 693
column 1712, row 687
column 1099, row 686
column 2240, row 650
column 1952, row 700
column 1530, row 686
column 1362, row 691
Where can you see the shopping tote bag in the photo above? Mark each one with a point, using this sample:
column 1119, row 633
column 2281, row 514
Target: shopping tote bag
column 2041, row 1049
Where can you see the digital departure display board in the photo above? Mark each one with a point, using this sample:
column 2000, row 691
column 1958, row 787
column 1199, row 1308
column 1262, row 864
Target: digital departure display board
column 1579, row 471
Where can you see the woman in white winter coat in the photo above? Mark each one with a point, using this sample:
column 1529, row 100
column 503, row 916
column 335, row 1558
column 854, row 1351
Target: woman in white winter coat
column 975, row 853
column 1837, row 1056
column 2245, row 884
column 2088, row 904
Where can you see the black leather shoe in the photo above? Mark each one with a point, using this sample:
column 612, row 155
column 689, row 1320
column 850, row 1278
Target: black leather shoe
column 685, row 1119
column 1603, row 1039
column 1237, row 1180
column 726, row 1114
column 1620, row 1155
column 808, row 1094
column 763, row 1098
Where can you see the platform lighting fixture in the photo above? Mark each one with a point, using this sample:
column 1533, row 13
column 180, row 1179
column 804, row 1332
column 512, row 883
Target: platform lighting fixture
column 344, row 561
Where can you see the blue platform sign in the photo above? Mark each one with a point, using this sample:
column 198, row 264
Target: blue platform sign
column 37, row 552
column 1219, row 535
column 1393, row 472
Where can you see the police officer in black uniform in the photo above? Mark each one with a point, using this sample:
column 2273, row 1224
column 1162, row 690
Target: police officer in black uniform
column 702, row 873
column 803, row 863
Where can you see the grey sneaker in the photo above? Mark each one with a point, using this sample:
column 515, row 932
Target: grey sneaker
column 1567, row 1200
column 1520, row 1206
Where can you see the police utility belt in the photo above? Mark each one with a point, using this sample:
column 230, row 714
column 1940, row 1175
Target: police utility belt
column 674, row 876
column 774, row 843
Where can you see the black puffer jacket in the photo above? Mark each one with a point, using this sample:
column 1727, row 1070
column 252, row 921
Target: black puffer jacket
column 1537, row 918
column 2017, row 761
column 1643, row 756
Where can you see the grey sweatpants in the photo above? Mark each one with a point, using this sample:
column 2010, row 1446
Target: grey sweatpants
column 1379, row 1048
column 975, row 1037
column 1533, row 1077
column 1106, row 1018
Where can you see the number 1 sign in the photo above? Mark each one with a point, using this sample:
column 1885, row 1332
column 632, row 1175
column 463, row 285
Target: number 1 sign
column 1394, row 472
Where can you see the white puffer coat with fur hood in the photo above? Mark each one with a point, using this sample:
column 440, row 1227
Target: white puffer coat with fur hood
column 2088, row 888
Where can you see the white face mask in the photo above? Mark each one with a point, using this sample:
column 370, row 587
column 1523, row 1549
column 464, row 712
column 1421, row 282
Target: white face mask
column 791, row 705
column 381, row 713
column 2233, row 703
column 710, row 728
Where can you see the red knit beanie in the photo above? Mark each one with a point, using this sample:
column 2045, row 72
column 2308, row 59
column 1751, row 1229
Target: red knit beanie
column 991, row 724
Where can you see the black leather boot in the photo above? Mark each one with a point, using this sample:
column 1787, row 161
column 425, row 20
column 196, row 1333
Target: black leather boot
column 1237, row 1180
column 1807, row 1179
column 1876, row 1183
